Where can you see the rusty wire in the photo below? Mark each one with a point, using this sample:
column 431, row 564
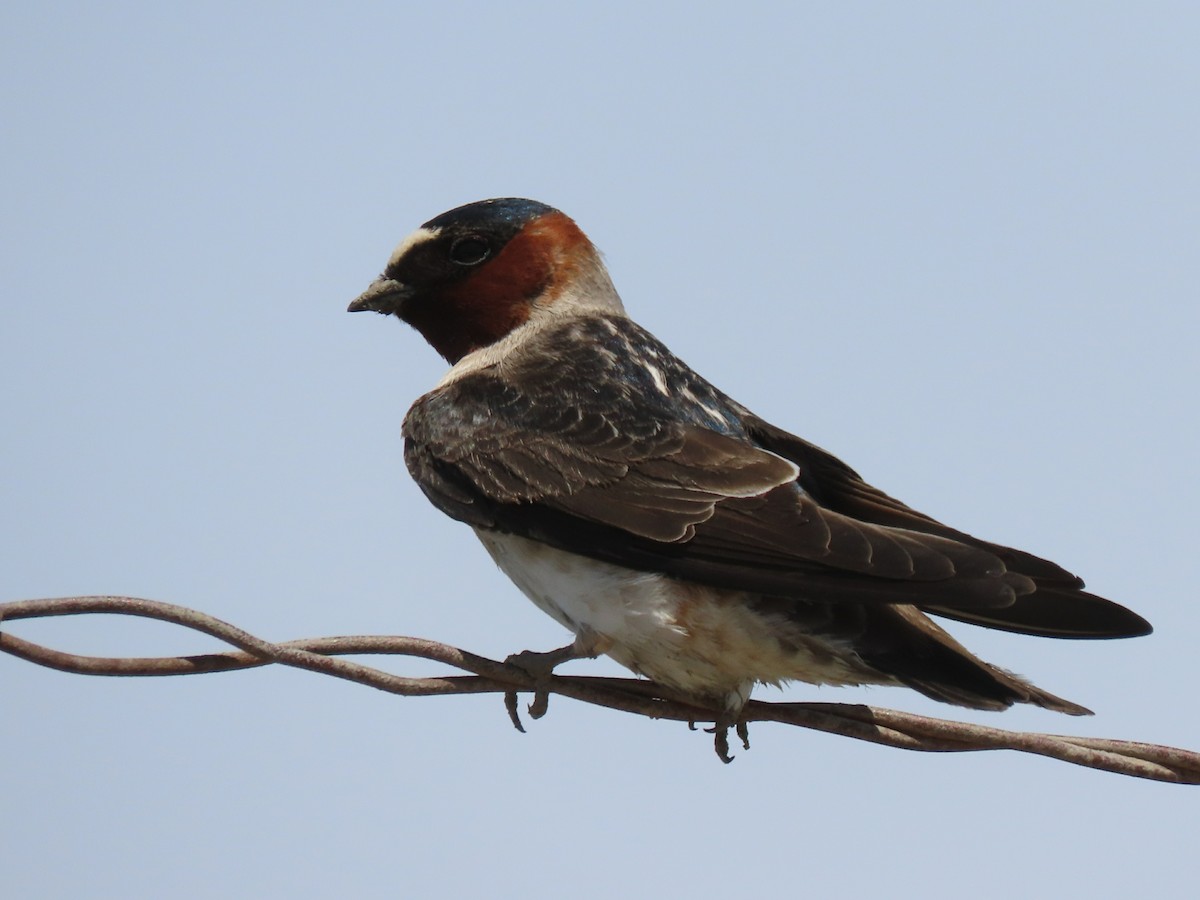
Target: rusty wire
column 866, row 723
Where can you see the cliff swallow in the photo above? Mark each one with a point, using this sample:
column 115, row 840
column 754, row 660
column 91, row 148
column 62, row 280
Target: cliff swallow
column 664, row 523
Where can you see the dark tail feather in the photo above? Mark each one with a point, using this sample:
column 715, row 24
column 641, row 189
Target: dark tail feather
column 905, row 644
column 1005, row 690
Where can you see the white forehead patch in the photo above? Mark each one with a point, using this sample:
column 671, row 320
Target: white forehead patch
column 420, row 236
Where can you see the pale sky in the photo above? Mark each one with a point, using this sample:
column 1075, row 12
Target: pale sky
column 955, row 244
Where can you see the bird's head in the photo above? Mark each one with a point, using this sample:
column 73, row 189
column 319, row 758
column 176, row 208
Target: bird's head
column 471, row 276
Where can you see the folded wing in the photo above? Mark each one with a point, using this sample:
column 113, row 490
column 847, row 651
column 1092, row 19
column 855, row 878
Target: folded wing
column 764, row 512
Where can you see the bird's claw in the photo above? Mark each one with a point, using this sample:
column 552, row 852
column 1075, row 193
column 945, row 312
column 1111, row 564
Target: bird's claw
column 540, row 704
column 720, row 733
column 514, row 715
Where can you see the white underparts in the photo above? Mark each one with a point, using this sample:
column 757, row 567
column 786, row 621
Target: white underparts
column 704, row 641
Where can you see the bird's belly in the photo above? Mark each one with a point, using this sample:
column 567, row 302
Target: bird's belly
column 705, row 641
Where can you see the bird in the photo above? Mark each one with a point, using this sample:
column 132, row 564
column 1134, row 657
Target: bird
column 662, row 522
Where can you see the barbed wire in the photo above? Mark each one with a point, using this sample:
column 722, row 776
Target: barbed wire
column 867, row 723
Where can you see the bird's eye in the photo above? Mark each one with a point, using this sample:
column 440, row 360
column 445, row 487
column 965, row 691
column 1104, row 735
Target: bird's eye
column 469, row 251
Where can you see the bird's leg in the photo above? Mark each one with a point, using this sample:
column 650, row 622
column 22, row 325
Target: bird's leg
column 540, row 666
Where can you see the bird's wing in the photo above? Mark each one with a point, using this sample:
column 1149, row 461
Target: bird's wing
column 663, row 495
column 1058, row 607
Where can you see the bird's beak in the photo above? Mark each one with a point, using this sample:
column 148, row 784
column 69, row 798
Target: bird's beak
column 383, row 296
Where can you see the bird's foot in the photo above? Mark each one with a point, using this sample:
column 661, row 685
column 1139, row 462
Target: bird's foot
column 720, row 733
column 540, row 667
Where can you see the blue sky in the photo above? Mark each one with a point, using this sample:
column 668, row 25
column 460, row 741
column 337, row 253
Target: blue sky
column 955, row 244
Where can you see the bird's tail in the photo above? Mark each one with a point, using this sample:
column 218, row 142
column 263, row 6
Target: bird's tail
column 904, row 643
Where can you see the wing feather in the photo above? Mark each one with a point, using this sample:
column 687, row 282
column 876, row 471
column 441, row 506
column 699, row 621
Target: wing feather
column 675, row 497
column 1052, row 603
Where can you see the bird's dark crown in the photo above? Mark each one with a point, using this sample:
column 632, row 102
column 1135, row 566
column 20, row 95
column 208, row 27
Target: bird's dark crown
column 491, row 214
